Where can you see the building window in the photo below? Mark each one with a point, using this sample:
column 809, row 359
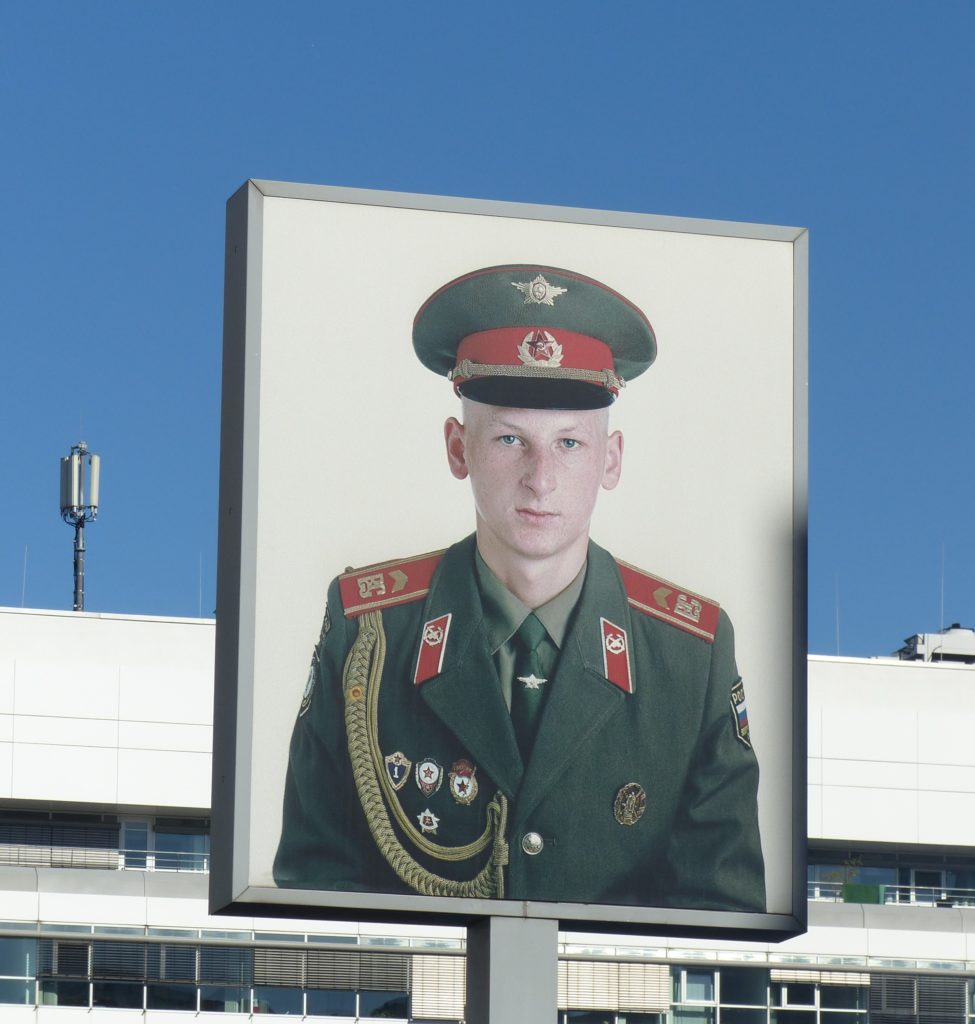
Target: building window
column 166, row 844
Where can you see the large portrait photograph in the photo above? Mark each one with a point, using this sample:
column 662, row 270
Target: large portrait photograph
column 511, row 588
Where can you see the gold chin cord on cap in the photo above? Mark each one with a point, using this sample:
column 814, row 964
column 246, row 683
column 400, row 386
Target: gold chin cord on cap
column 467, row 369
column 361, row 682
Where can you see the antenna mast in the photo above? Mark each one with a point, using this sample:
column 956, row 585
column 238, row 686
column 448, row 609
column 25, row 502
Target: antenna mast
column 79, row 505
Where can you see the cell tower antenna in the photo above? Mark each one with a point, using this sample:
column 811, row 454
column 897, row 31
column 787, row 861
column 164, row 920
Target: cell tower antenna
column 80, row 471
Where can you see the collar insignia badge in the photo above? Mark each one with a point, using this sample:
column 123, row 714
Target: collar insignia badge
column 429, row 776
column 433, row 645
column 463, row 784
column 616, row 656
column 428, row 821
column 539, row 292
column 630, row 803
column 398, row 767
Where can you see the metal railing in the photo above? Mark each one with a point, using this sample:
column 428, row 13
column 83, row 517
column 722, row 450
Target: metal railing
column 900, row 895
column 150, row 860
column 37, row 856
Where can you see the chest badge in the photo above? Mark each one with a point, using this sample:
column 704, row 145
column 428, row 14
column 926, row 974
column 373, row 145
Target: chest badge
column 630, row 803
column 428, row 821
column 429, row 776
column 463, row 784
column 398, row 767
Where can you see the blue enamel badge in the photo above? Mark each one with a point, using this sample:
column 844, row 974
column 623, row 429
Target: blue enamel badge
column 398, row 767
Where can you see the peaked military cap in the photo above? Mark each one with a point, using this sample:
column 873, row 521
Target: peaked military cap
column 533, row 337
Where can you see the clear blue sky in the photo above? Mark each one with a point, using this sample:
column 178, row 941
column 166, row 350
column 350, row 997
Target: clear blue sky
column 126, row 126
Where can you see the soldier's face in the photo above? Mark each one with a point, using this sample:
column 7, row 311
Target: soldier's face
column 535, row 474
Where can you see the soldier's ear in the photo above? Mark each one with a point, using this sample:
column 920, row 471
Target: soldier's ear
column 614, row 460
column 453, row 435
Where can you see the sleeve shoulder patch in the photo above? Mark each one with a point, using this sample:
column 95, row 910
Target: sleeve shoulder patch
column 387, row 583
column 669, row 602
column 740, row 713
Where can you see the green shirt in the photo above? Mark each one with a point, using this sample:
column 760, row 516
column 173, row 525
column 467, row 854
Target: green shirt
column 504, row 613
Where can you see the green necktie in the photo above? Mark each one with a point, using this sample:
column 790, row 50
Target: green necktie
column 529, row 685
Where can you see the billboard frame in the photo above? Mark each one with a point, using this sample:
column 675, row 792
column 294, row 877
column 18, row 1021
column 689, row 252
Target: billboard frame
column 231, row 890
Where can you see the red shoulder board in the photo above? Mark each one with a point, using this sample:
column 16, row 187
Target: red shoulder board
column 669, row 602
column 387, row 583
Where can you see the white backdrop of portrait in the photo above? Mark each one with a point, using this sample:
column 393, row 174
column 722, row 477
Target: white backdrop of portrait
column 352, row 469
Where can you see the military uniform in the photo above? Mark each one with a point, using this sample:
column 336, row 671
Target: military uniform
column 405, row 776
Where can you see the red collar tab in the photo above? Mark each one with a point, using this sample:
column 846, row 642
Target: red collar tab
column 387, row 584
column 433, row 645
column 616, row 655
column 667, row 601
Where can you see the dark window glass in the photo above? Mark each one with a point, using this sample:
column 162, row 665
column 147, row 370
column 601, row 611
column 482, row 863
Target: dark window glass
column 124, row 994
column 180, row 851
column 271, row 999
column 384, row 1004
column 843, row 997
column 331, row 1002
column 641, row 1018
column 18, row 957
column 744, row 986
column 738, row 1015
column 224, row 999
column 839, row 1017
column 590, row 1016
column 800, row 994
column 160, row 996
column 63, row 993
column 21, row 992
column 792, row 1016
column 135, row 843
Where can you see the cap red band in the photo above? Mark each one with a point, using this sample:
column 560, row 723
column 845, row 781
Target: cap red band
column 539, row 346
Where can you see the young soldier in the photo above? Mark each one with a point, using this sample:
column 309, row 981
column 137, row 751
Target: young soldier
column 522, row 715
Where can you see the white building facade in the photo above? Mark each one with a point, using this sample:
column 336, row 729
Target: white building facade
column 105, row 743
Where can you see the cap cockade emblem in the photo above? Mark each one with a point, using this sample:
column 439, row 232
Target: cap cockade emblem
column 539, row 292
column 540, row 347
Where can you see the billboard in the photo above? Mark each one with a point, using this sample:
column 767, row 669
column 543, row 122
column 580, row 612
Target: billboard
column 370, row 753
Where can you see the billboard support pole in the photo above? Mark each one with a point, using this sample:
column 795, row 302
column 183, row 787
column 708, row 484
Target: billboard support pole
column 512, row 971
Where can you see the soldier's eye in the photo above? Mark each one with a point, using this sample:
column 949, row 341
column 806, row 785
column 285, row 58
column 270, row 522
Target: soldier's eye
column 508, row 439
column 570, row 443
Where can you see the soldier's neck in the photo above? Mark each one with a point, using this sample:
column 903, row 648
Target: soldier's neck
column 534, row 581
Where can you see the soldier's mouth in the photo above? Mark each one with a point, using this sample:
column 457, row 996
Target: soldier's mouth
column 534, row 515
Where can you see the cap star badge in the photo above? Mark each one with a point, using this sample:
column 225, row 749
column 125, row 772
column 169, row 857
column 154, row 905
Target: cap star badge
column 539, row 292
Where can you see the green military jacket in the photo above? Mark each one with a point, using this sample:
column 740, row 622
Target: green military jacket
column 404, row 774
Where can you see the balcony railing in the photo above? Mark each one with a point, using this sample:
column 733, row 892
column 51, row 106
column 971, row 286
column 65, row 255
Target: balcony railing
column 35, row 855
column 901, row 895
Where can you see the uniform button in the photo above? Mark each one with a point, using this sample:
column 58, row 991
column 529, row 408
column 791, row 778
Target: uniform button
column 532, row 843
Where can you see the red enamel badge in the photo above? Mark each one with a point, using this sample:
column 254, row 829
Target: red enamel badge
column 616, row 656
column 433, row 644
